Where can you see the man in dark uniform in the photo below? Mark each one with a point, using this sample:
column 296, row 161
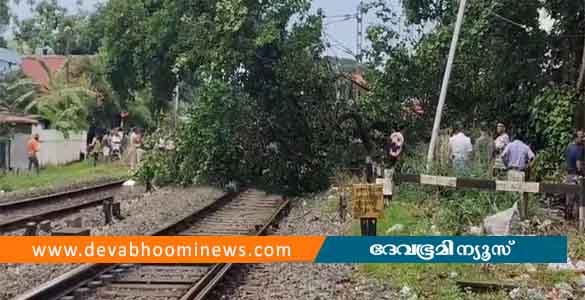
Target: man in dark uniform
column 574, row 156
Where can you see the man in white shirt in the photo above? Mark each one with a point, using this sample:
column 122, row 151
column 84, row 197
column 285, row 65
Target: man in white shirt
column 116, row 141
column 460, row 149
column 502, row 140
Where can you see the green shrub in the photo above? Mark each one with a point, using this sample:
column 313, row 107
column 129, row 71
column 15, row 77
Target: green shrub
column 552, row 120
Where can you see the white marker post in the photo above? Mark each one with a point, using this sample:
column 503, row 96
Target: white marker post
column 445, row 85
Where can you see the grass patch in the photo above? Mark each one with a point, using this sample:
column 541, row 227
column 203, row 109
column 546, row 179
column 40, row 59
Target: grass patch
column 54, row 176
column 415, row 210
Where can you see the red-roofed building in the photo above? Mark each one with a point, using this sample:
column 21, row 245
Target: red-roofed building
column 18, row 119
column 33, row 69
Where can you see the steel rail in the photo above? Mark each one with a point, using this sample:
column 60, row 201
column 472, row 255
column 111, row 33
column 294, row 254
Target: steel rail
column 20, row 221
column 80, row 276
column 207, row 283
column 16, row 214
column 44, row 199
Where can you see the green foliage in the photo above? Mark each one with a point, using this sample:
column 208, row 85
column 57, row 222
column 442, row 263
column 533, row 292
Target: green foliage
column 265, row 109
column 4, row 20
column 149, row 43
column 158, row 166
column 52, row 26
column 64, row 102
column 17, row 93
column 496, row 74
column 213, row 145
column 552, row 121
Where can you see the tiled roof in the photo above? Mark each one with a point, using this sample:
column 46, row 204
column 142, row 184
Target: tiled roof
column 17, row 119
column 33, row 69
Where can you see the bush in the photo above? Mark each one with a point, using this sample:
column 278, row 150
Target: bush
column 158, row 166
column 552, row 121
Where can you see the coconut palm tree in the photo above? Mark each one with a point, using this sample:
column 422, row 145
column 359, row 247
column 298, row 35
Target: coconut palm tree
column 17, row 93
column 65, row 103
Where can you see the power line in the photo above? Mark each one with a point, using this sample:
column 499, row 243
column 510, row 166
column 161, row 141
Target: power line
column 343, row 49
column 509, row 21
column 340, row 45
column 337, row 21
column 340, row 16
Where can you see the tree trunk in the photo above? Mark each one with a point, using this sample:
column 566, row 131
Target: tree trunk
column 581, row 72
column 580, row 113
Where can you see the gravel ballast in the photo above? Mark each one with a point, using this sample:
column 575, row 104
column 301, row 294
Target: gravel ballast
column 143, row 215
column 309, row 217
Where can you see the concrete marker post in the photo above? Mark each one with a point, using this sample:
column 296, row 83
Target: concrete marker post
column 108, row 211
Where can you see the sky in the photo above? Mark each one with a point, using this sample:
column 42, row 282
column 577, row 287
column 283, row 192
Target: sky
column 342, row 33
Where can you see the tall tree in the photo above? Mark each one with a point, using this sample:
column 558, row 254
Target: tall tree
column 4, row 20
column 52, row 26
column 150, row 42
column 497, row 70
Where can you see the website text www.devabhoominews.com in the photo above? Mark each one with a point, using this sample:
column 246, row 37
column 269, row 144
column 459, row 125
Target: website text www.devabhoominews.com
column 144, row 250
column 159, row 249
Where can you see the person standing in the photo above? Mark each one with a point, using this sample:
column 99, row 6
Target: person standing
column 460, row 149
column 139, row 146
column 392, row 153
column 575, row 156
column 107, row 146
column 395, row 147
column 132, row 148
column 33, row 147
column 83, row 150
column 517, row 157
column 116, row 142
column 96, row 149
column 502, row 140
column 483, row 149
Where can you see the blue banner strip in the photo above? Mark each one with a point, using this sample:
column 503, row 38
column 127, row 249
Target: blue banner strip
column 435, row 249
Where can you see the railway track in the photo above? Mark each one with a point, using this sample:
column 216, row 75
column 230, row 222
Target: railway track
column 16, row 214
column 248, row 213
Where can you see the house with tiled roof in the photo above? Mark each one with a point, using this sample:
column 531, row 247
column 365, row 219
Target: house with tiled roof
column 31, row 67
column 55, row 147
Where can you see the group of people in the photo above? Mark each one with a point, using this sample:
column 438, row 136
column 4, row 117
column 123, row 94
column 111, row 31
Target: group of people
column 106, row 146
column 504, row 155
column 114, row 144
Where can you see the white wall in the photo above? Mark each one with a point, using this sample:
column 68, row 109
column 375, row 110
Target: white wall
column 55, row 148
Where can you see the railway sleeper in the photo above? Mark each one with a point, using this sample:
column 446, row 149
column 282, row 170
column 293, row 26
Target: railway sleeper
column 169, row 281
column 72, row 232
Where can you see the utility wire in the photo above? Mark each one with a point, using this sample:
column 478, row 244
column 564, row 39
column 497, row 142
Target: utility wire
column 338, row 42
column 343, row 49
column 340, row 16
column 338, row 21
column 508, row 20
column 333, row 45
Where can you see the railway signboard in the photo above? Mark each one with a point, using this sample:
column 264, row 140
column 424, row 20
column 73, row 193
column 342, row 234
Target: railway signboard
column 367, row 201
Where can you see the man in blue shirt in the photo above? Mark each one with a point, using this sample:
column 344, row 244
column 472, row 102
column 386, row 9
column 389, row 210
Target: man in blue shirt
column 518, row 157
column 574, row 156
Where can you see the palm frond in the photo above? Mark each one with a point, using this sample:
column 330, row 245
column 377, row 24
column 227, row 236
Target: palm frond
column 22, row 83
column 45, row 68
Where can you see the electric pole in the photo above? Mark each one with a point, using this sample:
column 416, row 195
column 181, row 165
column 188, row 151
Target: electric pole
column 360, row 31
column 445, row 85
column 176, row 108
